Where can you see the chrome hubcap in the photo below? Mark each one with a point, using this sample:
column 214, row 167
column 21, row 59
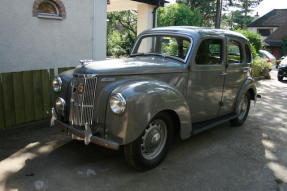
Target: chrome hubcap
column 243, row 107
column 154, row 139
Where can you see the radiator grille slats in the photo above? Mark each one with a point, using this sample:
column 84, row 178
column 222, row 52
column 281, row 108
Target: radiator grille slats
column 82, row 99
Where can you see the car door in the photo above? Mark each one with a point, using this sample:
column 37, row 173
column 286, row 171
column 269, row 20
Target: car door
column 206, row 79
column 236, row 72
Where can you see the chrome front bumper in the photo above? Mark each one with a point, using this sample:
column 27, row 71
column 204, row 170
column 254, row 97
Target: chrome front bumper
column 82, row 134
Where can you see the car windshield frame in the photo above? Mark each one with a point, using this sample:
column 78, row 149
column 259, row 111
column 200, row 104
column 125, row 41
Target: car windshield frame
column 141, row 37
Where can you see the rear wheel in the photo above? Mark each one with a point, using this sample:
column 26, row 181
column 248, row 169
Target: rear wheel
column 280, row 78
column 151, row 147
column 242, row 110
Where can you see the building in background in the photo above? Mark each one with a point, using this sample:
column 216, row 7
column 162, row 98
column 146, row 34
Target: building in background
column 273, row 28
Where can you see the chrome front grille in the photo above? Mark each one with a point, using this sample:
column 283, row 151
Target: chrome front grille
column 82, row 99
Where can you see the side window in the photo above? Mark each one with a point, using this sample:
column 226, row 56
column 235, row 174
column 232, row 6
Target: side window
column 248, row 54
column 209, row 52
column 234, row 52
column 175, row 46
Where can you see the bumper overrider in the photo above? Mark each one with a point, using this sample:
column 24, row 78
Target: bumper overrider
column 86, row 135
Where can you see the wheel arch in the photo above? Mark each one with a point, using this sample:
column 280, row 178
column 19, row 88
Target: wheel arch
column 145, row 99
column 248, row 86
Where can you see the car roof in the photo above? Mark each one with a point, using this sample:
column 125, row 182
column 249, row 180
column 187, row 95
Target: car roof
column 268, row 54
column 194, row 30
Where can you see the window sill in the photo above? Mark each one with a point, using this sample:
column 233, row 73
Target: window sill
column 49, row 17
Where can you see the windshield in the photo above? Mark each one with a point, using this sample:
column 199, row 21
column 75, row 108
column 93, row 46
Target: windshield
column 160, row 45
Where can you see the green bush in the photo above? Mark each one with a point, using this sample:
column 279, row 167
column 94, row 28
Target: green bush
column 260, row 67
column 254, row 39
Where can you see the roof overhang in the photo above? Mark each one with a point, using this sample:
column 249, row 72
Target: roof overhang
column 153, row 2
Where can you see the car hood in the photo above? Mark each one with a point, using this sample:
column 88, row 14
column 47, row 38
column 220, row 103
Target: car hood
column 133, row 65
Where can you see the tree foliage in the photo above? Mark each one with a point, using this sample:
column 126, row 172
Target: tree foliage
column 178, row 14
column 206, row 8
column 122, row 31
column 245, row 7
column 235, row 20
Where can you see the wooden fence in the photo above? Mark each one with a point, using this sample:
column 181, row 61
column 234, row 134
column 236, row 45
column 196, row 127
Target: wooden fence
column 25, row 96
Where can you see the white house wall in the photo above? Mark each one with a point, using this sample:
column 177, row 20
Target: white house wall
column 30, row 43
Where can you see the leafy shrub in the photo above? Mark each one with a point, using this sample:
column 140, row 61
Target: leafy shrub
column 254, row 39
column 260, row 67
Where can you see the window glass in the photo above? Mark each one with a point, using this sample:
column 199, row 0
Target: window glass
column 172, row 46
column 264, row 32
column 209, row 52
column 248, row 54
column 234, row 53
column 47, row 8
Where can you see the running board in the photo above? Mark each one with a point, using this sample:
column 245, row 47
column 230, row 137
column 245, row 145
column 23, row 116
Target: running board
column 203, row 126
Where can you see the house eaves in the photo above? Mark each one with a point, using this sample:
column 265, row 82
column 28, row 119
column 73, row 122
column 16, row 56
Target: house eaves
column 275, row 18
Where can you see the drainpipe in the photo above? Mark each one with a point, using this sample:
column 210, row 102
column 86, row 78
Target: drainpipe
column 93, row 30
column 154, row 21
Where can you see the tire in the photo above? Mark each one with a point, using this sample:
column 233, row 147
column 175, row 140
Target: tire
column 280, row 78
column 141, row 154
column 242, row 110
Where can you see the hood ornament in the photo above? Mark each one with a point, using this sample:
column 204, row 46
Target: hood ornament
column 84, row 62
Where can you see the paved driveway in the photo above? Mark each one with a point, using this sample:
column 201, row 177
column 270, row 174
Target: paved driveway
column 251, row 157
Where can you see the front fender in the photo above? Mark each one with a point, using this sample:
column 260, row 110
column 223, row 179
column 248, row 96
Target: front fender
column 144, row 100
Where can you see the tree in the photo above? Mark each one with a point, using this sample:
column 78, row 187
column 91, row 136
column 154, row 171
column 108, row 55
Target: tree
column 235, row 20
column 218, row 13
column 206, row 8
column 122, row 31
column 178, row 14
column 245, row 6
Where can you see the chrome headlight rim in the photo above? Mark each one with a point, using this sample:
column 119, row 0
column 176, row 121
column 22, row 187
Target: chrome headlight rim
column 57, row 84
column 118, row 103
column 60, row 105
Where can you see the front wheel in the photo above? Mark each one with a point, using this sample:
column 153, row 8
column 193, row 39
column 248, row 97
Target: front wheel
column 242, row 110
column 280, row 78
column 151, row 147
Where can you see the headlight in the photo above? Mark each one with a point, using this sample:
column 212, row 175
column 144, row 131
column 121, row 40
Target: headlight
column 60, row 105
column 118, row 103
column 57, row 84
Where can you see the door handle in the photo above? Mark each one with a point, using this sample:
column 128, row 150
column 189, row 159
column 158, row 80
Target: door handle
column 223, row 74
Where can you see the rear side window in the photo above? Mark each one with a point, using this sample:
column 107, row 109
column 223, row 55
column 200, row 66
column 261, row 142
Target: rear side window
column 234, row 52
column 248, row 54
column 209, row 52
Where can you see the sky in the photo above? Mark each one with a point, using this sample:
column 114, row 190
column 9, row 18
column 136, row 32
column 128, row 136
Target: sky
column 265, row 6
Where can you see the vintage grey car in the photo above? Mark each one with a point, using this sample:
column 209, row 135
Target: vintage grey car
column 176, row 81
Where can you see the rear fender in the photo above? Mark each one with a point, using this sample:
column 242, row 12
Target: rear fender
column 248, row 86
